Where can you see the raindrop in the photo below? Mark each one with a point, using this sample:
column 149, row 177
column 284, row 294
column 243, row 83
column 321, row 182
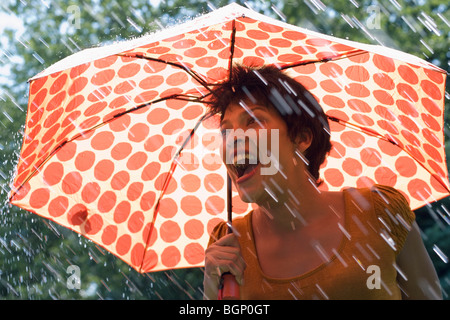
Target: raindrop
column 441, row 254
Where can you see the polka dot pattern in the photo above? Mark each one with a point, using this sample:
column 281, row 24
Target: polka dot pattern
column 104, row 137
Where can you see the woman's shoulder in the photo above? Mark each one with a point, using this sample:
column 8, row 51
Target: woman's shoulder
column 392, row 210
column 222, row 228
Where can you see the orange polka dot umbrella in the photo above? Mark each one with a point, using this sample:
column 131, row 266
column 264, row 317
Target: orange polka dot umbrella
column 115, row 147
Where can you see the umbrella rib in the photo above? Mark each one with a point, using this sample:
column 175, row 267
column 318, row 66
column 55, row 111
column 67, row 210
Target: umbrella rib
column 324, row 60
column 61, row 144
column 188, row 70
column 232, row 45
column 381, row 137
column 168, row 177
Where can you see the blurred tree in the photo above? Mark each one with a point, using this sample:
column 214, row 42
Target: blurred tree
column 36, row 252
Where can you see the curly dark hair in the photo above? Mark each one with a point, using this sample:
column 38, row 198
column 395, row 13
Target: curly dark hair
column 272, row 88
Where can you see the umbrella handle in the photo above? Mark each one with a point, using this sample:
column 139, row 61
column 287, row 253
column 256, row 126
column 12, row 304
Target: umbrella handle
column 229, row 288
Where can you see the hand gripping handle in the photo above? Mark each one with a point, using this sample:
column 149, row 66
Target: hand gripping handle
column 229, row 288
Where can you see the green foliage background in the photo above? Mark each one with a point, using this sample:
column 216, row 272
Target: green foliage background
column 35, row 253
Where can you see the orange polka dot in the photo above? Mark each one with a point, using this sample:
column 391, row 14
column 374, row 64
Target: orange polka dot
column 170, row 257
column 357, row 90
column 169, row 231
column 330, row 86
column 124, row 87
column 383, row 63
column 37, row 84
column 122, row 211
column 370, row 157
column 387, row 126
column 419, row 189
column 293, row 35
column 134, row 190
column 104, row 169
column 93, row 225
column 168, row 208
column 415, row 153
column 103, row 77
column 137, row 160
column 407, row 92
column 194, row 253
column 95, row 108
column 128, row 70
column 84, row 160
column 431, row 89
column 431, row 138
column 66, row 153
column 90, row 192
column 145, row 96
column 331, row 69
column 194, row 229
column 213, row 182
column 167, row 182
column 77, row 214
column 357, row 73
column 191, row 205
column 150, row 260
column 138, row 132
column 58, row 84
column 39, row 198
column 136, row 222
column 147, row 200
column 359, row 105
column 405, row 166
column 364, row 182
column 102, row 140
column 212, row 223
column 53, row 173
column 215, row 205
column 385, row 176
column 79, row 70
column 352, row 167
column 337, row 151
column 173, row 126
column 58, row 206
column 431, row 107
column 408, row 74
column 190, row 183
column 120, row 123
column 121, row 150
column 352, row 139
column 105, row 62
column 120, row 180
column 72, row 182
column 334, row 177
column 432, row 152
column 137, row 254
column 109, row 235
column 123, row 244
column 106, row 202
column 384, row 81
column 153, row 143
column 431, row 122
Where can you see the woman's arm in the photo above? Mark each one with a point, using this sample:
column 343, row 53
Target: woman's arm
column 422, row 282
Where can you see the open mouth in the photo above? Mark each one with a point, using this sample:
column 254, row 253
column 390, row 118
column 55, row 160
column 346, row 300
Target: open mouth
column 245, row 165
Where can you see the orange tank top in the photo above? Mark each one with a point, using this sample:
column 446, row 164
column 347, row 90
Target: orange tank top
column 377, row 221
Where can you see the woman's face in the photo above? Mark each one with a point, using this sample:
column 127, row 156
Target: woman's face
column 258, row 153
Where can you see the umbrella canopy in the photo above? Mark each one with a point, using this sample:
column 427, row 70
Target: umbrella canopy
column 116, row 146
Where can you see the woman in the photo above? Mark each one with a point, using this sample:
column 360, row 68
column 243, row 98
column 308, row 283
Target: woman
column 299, row 242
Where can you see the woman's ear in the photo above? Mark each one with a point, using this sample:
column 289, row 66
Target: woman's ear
column 304, row 140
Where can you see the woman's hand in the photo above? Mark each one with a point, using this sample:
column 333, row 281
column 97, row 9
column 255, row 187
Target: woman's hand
column 222, row 256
